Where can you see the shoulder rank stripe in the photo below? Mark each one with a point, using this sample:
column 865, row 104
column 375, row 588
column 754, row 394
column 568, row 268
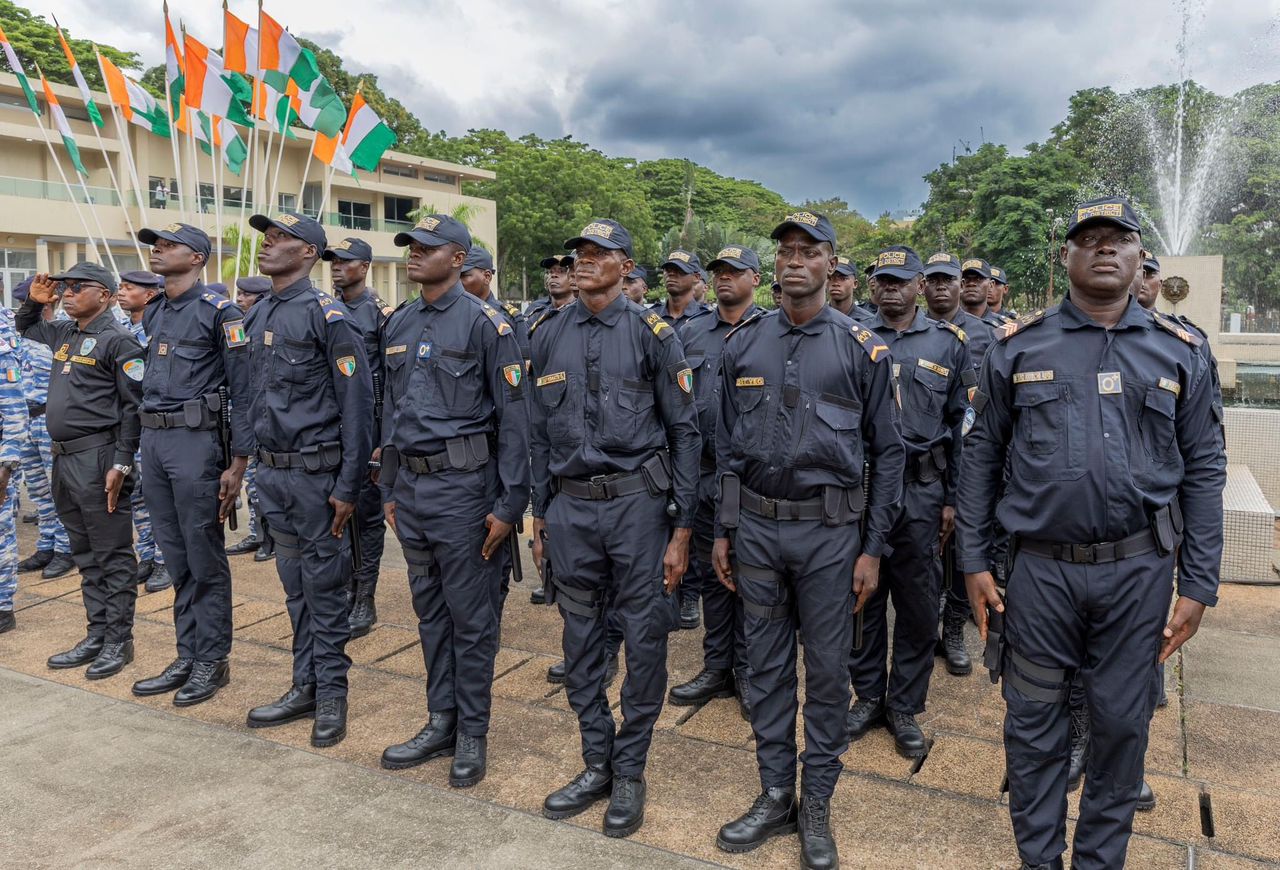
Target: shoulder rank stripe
column 332, row 310
column 499, row 323
column 1173, row 327
column 660, row 327
column 512, row 310
column 1008, row 330
column 546, row 315
column 870, row 342
column 218, row 302
column 959, row 333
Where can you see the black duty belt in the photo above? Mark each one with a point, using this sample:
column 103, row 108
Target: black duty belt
column 1092, row 554
column 85, row 442
column 173, row 420
column 781, row 508
column 317, row 458
column 604, row 486
column 465, row 453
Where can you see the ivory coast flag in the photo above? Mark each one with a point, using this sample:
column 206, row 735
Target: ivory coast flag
column 94, row 115
column 366, row 136
column 175, row 76
column 206, row 86
column 279, row 110
column 330, row 151
column 60, row 121
column 319, row 107
column 16, row 65
column 239, row 44
column 278, row 51
column 222, row 134
column 138, row 106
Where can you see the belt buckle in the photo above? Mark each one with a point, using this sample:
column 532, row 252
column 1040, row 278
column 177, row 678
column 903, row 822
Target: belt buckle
column 771, row 507
column 1086, row 554
column 596, row 485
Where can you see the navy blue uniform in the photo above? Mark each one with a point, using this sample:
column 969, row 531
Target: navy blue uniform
column 311, row 407
column 724, row 646
column 367, row 318
column 801, row 408
column 1115, row 441
column 933, row 372
column 198, row 345
column 613, row 430
column 455, row 449
column 92, row 414
column 693, row 308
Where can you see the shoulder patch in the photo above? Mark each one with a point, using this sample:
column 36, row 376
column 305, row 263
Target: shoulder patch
column 218, row 302
column 1013, row 327
column 660, row 327
column 957, row 331
column 546, row 315
column 1174, row 327
column 498, row 321
column 752, row 319
column 332, row 310
column 871, row 343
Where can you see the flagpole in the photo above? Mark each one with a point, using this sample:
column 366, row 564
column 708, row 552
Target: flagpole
column 306, row 167
column 214, row 136
column 70, row 193
column 324, row 199
column 195, row 170
column 275, row 178
column 244, row 180
column 98, row 223
column 173, row 126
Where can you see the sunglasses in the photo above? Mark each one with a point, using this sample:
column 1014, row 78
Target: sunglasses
column 74, row 287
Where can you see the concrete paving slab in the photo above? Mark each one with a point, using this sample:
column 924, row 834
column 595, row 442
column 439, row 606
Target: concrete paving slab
column 1233, row 667
column 962, row 764
column 252, row 611
column 1246, row 823
column 1247, row 608
column 1233, row 746
column 1206, row 859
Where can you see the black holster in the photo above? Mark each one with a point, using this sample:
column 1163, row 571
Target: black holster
column 321, row 457
column 993, row 654
column 1166, row 528
column 657, row 473
column 841, row 505
column 390, row 464
column 730, row 500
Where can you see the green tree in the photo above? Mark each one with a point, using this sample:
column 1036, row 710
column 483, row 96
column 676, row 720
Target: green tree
column 35, row 41
column 401, row 121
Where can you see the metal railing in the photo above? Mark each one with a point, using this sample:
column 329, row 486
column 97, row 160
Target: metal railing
column 32, row 188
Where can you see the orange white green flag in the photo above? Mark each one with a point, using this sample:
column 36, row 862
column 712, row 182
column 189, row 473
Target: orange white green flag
column 94, row 115
column 16, row 66
column 60, row 121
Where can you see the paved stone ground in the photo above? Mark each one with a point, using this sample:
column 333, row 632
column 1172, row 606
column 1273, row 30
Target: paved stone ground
column 1217, row 741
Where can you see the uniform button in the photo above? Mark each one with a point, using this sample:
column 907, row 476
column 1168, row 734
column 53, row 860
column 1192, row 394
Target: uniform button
column 788, row 362
column 1106, row 434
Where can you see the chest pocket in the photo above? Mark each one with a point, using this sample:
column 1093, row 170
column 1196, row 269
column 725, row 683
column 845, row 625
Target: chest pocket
column 626, row 413
column 1047, row 425
column 832, row 433
column 925, row 395
column 1156, row 420
column 298, row 363
column 456, row 377
column 750, row 434
column 185, row 360
column 563, row 403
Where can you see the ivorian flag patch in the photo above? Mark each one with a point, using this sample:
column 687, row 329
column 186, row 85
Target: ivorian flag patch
column 347, row 365
column 236, row 336
column 514, row 375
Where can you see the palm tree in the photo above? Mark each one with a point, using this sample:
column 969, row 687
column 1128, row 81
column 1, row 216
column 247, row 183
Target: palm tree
column 247, row 246
column 464, row 213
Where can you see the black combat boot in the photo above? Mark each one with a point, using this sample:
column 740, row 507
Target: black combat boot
column 60, row 564
column 205, row 681
column 774, row 814
column 742, row 688
column 468, row 761
column 865, row 714
column 908, row 739
column 625, row 814
column 111, row 660
column 79, row 655
column 817, row 845
column 1079, row 745
column 36, row 561
column 951, row 647
column 555, row 673
column 145, row 569
column 437, row 738
column 593, row 784
column 1146, row 798
column 706, row 685
column 363, row 613
column 172, row 678
column 159, row 579
column 297, row 703
column 331, row 722
column 249, row 544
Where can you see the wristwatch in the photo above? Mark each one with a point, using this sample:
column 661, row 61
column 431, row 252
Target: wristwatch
column 123, row 469
column 12, row 465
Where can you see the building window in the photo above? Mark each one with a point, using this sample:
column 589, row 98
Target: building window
column 161, row 197
column 74, row 112
column 400, row 171
column 439, row 178
column 287, row 201
column 396, row 209
column 18, row 101
column 15, row 267
column 355, row 215
column 311, row 195
column 231, row 197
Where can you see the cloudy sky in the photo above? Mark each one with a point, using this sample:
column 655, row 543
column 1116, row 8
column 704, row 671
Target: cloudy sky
column 814, row 99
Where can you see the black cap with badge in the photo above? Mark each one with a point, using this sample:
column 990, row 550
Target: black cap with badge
column 183, row 234
column 349, row 249
column 478, row 258
column 976, row 264
column 736, row 257
column 943, row 263
column 1111, row 209
column 556, row 260
column 998, row 275
column 256, row 284
column 605, row 233
column 817, row 226
column 898, row 261
column 684, row 261
column 845, row 266
column 435, row 230
column 142, row 279
column 297, row 225
column 87, row 272
column 640, row 273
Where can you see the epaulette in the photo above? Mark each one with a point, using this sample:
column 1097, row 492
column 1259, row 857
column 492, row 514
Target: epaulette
column 1174, row 327
column 752, row 319
column 546, row 315
column 870, row 342
column 332, row 310
column 1195, row 328
column 499, row 322
column 218, row 302
column 512, row 310
column 1008, row 330
column 660, row 327
column 959, row 333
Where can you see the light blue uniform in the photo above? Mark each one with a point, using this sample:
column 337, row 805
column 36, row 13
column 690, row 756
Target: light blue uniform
column 13, row 432
column 146, row 545
column 36, row 453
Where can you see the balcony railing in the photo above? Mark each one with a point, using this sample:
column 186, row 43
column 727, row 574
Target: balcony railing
column 55, row 190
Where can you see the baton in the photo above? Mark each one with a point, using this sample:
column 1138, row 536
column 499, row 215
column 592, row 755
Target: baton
column 357, row 557
column 224, row 433
column 513, row 547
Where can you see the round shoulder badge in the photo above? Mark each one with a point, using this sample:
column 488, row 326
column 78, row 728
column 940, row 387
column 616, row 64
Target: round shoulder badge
column 970, row 417
column 134, row 369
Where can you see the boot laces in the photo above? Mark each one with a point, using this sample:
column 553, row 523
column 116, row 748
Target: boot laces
column 326, row 707
column 815, row 818
column 202, row 672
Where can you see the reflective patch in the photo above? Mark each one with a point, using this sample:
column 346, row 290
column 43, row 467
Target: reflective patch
column 1032, row 377
column 346, row 365
column 134, row 369
column 1110, row 384
column 84, row 360
column 749, row 382
column 970, row 417
column 1171, row 385
column 551, row 379
column 513, row 375
column 66, row 369
column 87, row 346
column 267, row 338
column 424, row 350
column 399, row 348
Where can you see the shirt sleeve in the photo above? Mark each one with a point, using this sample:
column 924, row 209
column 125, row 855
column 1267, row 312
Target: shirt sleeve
column 353, row 387
column 726, row 419
column 13, row 407
column 1201, row 442
column 504, row 369
column 539, row 443
column 962, row 377
column 985, row 448
column 129, row 367
column 882, row 435
column 234, row 341
column 31, row 324
column 673, row 393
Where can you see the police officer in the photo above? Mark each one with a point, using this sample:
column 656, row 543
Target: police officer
column 14, row 423
column 250, row 291
column 455, row 481
column 933, row 372
column 137, row 289
column 477, row 279
column 997, row 292
column 681, row 272
column 349, row 262
column 842, row 288
column 942, row 295
column 311, row 404
column 93, row 421
column 724, row 646
column 1113, row 422
column 197, row 361
column 975, row 281
column 806, row 397
column 52, row 557
column 636, row 284
column 614, row 442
